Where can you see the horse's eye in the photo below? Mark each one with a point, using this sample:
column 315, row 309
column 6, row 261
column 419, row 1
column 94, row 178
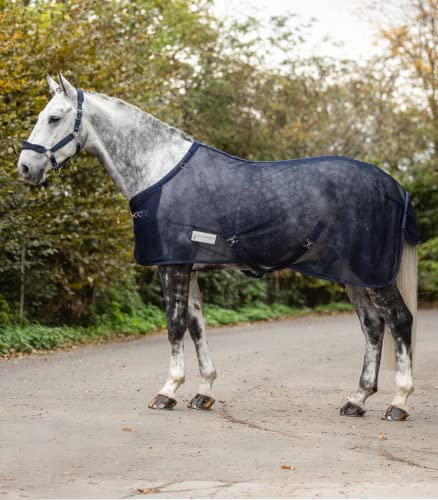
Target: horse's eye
column 54, row 119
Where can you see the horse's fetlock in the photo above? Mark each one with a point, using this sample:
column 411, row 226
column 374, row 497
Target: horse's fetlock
column 209, row 374
column 178, row 380
column 407, row 389
column 372, row 390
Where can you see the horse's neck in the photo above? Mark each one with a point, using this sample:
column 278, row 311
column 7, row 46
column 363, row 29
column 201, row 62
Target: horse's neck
column 135, row 148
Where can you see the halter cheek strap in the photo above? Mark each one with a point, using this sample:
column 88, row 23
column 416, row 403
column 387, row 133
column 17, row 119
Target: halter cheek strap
column 73, row 136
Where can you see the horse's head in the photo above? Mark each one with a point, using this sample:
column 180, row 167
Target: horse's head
column 54, row 133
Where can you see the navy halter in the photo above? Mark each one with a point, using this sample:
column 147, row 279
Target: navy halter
column 73, row 136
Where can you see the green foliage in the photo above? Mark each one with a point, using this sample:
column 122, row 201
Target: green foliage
column 122, row 309
column 423, row 188
column 216, row 315
column 35, row 337
column 5, row 312
column 32, row 337
column 228, row 288
column 76, row 229
column 428, row 269
column 243, row 87
column 149, row 286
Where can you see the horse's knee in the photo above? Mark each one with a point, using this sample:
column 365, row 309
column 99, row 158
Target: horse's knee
column 195, row 327
column 176, row 328
column 373, row 325
column 404, row 321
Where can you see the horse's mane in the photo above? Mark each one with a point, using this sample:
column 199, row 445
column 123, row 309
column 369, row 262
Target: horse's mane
column 148, row 116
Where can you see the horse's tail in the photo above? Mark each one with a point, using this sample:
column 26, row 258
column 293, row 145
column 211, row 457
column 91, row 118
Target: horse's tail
column 407, row 284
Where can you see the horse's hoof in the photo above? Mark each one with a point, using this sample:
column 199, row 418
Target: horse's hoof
column 201, row 402
column 352, row 410
column 394, row 413
column 162, row 402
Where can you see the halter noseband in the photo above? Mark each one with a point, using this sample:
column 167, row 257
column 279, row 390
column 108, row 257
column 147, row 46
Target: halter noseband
column 73, row 136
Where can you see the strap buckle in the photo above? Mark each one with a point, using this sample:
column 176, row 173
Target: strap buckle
column 56, row 167
column 232, row 240
column 76, row 139
column 138, row 215
column 308, row 244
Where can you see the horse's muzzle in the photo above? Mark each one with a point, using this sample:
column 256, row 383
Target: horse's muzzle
column 31, row 177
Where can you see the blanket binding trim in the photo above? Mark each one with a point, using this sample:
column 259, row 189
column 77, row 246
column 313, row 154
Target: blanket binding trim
column 139, row 197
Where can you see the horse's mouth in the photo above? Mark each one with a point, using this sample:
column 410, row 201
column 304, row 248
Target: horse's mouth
column 34, row 181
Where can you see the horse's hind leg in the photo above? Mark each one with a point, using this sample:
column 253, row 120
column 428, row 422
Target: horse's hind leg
column 203, row 399
column 175, row 280
column 398, row 319
column 373, row 328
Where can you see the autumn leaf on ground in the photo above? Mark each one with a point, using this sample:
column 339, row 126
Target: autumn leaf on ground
column 382, row 436
column 287, row 467
column 146, row 491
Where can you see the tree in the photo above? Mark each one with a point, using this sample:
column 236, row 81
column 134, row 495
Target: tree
column 412, row 41
column 75, row 230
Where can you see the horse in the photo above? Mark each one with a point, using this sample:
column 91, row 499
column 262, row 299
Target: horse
column 140, row 152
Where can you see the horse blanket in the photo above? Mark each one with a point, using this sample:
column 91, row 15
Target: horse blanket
column 331, row 217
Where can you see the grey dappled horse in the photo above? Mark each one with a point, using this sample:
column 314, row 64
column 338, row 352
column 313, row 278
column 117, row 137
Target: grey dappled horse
column 138, row 150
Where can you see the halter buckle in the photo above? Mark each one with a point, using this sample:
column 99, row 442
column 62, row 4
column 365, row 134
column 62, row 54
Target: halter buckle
column 76, row 136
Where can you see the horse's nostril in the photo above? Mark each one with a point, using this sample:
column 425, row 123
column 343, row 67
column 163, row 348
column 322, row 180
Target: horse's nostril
column 25, row 169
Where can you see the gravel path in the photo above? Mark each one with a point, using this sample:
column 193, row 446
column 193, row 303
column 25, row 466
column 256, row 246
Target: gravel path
column 76, row 424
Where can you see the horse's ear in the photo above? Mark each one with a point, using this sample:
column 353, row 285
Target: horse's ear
column 53, row 86
column 67, row 87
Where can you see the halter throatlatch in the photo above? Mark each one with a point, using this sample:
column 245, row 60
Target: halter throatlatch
column 73, row 136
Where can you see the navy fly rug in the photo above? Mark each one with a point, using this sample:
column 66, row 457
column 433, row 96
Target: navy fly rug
column 331, row 217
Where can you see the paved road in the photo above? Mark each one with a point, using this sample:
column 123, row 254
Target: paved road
column 76, row 425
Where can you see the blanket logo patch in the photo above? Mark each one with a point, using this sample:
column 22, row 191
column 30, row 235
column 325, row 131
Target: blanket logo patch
column 201, row 237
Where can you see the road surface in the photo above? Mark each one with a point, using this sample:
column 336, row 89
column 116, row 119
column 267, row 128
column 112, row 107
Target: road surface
column 76, row 424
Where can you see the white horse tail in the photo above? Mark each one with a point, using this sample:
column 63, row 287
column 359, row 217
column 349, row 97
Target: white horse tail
column 407, row 283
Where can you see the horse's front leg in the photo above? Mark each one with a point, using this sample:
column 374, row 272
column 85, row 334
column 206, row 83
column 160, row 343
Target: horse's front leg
column 203, row 399
column 175, row 280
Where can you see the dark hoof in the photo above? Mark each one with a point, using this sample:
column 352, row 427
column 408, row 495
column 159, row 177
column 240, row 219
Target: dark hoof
column 162, row 402
column 352, row 410
column 200, row 402
column 394, row 413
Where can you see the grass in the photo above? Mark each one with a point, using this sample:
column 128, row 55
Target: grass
column 27, row 338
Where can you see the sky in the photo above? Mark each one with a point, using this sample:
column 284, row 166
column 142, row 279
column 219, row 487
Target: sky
column 342, row 20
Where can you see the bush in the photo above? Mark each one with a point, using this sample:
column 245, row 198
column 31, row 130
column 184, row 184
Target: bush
column 6, row 315
column 231, row 289
column 29, row 337
column 428, row 269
